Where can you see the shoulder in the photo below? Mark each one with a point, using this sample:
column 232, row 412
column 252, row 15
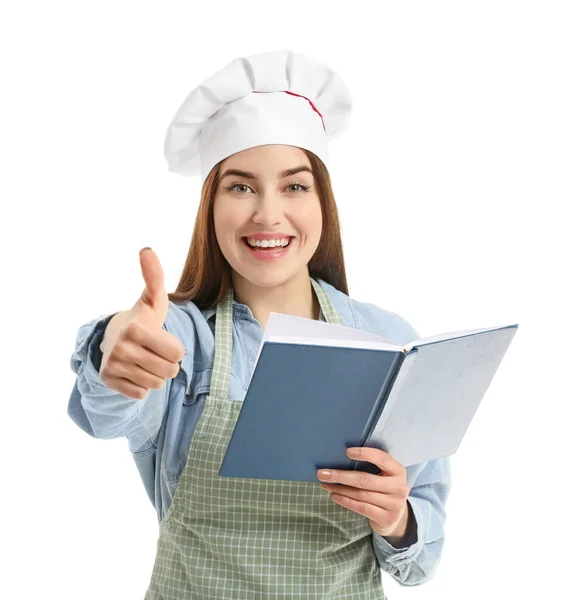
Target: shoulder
column 384, row 322
column 370, row 317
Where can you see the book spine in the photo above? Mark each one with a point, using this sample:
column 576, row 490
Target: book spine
column 380, row 402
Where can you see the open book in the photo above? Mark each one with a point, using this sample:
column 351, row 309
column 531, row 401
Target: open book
column 318, row 388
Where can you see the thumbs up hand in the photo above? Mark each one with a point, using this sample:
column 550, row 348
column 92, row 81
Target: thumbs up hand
column 138, row 355
column 151, row 308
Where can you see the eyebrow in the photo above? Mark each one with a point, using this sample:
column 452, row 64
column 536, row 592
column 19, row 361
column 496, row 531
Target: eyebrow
column 248, row 175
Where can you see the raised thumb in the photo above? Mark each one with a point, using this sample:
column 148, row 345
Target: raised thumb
column 154, row 296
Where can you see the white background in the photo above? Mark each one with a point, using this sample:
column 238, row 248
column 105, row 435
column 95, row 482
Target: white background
column 462, row 188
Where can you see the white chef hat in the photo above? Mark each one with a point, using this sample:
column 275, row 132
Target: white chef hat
column 278, row 97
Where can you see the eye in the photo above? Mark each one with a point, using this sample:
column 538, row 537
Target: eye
column 242, row 185
column 303, row 187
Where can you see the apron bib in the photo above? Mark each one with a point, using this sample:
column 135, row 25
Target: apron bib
column 229, row 538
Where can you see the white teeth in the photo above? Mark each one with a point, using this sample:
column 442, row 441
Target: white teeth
column 268, row 243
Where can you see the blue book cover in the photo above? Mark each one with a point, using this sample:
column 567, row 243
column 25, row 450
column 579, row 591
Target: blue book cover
column 308, row 402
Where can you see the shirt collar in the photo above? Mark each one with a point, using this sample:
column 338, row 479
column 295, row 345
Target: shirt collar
column 209, row 312
column 238, row 308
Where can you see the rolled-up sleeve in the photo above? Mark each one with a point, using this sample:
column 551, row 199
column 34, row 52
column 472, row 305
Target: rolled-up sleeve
column 101, row 411
column 417, row 563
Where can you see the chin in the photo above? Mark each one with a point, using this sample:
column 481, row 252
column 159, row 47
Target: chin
column 267, row 277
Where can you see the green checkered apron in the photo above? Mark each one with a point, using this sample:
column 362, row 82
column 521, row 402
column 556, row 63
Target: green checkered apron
column 232, row 538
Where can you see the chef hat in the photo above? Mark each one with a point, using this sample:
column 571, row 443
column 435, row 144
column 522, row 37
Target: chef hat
column 278, row 97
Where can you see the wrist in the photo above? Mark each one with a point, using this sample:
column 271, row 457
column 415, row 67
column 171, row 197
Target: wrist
column 404, row 534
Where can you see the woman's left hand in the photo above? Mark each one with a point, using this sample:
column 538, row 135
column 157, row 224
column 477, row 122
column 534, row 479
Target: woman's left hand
column 381, row 498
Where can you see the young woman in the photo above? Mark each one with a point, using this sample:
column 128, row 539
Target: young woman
column 171, row 373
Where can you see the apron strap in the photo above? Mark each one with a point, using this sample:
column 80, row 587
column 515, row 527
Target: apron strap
column 223, row 337
column 327, row 308
column 223, row 347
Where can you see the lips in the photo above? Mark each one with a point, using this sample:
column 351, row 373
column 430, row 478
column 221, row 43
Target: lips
column 278, row 235
column 268, row 254
column 288, row 237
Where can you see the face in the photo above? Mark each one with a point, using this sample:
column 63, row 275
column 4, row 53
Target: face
column 263, row 201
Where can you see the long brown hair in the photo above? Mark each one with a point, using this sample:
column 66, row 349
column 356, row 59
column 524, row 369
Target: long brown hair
column 206, row 276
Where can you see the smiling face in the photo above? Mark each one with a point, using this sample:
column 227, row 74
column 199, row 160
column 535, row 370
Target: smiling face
column 258, row 197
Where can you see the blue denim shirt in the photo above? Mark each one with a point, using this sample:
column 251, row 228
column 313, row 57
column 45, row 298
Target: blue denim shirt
column 159, row 428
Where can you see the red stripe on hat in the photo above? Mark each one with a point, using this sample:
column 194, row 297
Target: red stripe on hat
column 300, row 96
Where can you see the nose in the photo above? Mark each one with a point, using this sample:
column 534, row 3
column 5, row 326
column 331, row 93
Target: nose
column 268, row 209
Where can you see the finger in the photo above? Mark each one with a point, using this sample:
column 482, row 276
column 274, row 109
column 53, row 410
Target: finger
column 126, row 387
column 152, row 363
column 381, row 500
column 128, row 358
column 379, row 515
column 159, row 341
column 122, row 366
column 143, row 378
column 385, row 461
column 154, row 294
column 362, row 480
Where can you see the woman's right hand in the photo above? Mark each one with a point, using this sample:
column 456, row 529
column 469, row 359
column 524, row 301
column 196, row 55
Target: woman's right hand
column 137, row 354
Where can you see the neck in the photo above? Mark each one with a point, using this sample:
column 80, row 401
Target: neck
column 292, row 297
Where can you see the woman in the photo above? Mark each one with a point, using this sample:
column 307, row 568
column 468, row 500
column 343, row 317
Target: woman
column 256, row 132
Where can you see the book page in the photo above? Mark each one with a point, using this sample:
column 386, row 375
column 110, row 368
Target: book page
column 436, row 394
column 366, row 345
column 280, row 325
column 452, row 335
